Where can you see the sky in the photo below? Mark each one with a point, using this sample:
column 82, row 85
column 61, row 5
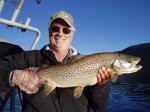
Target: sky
column 101, row 25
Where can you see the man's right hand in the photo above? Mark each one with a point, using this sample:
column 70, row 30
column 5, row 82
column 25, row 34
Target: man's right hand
column 27, row 80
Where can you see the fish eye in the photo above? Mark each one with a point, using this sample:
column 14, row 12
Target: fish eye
column 130, row 60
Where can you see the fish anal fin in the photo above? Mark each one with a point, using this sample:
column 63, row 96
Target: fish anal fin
column 78, row 91
column 48, row 88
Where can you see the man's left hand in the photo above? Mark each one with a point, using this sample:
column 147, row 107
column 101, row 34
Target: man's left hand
column 104, row 75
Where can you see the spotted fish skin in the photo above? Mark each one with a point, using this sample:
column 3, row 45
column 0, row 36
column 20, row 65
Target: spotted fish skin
column 82, row 71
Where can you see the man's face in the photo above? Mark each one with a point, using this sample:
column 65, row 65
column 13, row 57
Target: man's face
column 61, row 35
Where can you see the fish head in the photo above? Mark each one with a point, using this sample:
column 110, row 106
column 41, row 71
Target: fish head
column 126, row 64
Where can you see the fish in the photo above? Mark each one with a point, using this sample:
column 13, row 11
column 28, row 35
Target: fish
column 81, row 70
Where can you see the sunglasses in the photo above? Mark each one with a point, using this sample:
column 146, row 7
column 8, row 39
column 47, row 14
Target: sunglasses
column 57, row 29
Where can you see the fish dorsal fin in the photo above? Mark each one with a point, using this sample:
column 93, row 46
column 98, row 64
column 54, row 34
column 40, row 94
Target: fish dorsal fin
column 43, row 66
column 75, row 58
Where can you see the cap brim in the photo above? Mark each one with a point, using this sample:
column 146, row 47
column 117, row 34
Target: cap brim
column 62, row 19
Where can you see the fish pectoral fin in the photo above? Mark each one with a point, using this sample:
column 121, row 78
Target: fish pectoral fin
column 114, row 77
column 78, row 91
column 48, row 88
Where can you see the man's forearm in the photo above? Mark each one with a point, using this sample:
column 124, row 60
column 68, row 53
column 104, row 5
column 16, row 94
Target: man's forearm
column 5, row 77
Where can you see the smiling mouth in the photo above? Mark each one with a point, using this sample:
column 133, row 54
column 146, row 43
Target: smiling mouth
column 60, row 40
column 57, row 38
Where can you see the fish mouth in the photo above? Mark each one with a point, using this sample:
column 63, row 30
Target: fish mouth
column 136, row 66
column 135, row 63
column 123, row 67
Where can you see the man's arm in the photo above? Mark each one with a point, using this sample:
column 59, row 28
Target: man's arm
column 4, row 77
column 14, row 72
column 18, row 61
column 98, row 95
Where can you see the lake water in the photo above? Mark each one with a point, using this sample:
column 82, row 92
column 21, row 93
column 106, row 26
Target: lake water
column 127, row 97
column 124, row 97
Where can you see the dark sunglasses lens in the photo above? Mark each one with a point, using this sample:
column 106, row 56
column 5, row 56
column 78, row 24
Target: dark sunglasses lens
column 66, row 30
column 55, row 29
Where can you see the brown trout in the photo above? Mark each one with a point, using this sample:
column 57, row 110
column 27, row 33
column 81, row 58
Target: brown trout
column 81, row 70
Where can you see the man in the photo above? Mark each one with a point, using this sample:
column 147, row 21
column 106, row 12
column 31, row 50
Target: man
column 15, row 71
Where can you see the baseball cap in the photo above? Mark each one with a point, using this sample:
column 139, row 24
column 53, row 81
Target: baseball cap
column 63, row 15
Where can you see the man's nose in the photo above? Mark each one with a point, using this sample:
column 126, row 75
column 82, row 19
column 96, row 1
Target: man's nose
column 60, row 32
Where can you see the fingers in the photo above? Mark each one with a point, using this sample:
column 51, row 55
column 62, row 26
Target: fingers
column 32, row 85
column 27, row 80
column 103, row 75
column 28, row 89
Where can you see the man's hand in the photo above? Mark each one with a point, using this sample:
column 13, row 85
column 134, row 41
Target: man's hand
column 27, row 80
column 104, row 75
